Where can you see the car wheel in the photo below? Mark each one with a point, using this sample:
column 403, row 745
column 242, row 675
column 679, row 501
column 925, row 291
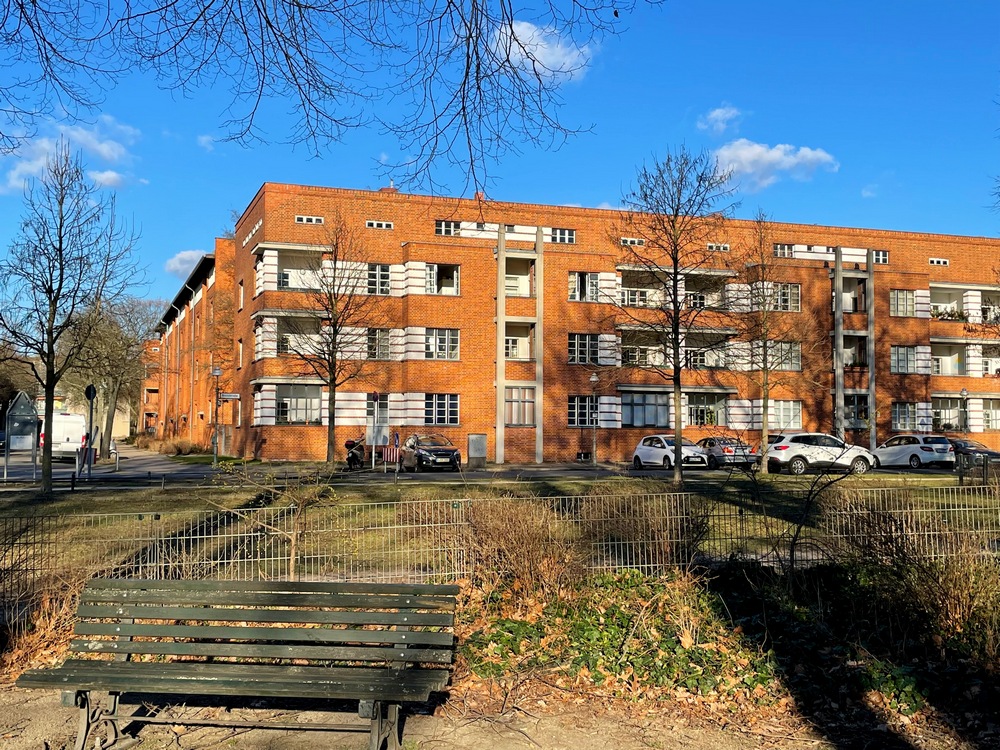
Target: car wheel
column 713, row 463
column 860, row 466
column 797, row 466
column 666, row 463
column 915, row 461
column 637, row 462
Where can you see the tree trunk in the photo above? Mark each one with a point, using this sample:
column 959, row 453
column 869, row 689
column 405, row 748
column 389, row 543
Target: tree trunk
column 765, row 401
column 331, row 423
column 50, row 396
column 109, row 419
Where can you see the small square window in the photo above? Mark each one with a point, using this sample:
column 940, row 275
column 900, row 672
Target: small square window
column 448, row 228
column 880, row 257
column 372, row 224
column 716, row 247
column 564, row 236
column 938, row 261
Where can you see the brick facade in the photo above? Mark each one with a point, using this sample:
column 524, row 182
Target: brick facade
column 432, row 339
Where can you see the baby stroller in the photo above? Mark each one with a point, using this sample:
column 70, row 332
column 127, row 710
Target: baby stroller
column 355, row 454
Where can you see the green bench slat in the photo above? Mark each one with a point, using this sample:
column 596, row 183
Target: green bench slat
column 241, row 680
column 251, row 633
column 326, row 587
column 268, row 599
column 261, row 651
column 234, row 614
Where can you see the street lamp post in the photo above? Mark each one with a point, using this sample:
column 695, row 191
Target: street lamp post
column 593, row 417
column 964, row 393
column 216, row 372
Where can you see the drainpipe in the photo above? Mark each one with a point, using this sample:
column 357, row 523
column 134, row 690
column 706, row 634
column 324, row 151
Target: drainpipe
column 500, row 357
column 838, row 342
column 870, row 311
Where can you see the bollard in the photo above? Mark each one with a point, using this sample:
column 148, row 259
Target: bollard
column 72, row 482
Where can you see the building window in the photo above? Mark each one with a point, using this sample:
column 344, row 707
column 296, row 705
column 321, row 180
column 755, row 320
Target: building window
column 947, row 414
column 381, row 416
column 902, row 303
column 991, row 414
column 583, row 411
column 441, row 408
column 564, row 236
column 902, row 359
column 378, row 278
column 646, row 410
column 880, row 257
column 695, row 300
column 239, row 295
column 370, row 224
column 706, row 409
column 441, row 343
column 938, row 261
column 519, row 407
column 441, row 279
column 787, row 297
column 298, row 404
column 583, row 349
column 784, row 250
column 308, row 219
column 785, row 355
column 904, row 416
column 583, row 286
column 633, row 242
column 785, row 415
column 642, row 355
column 856, row 411
column 448, row 228
column 716, row 247
column 239, row 353
column 378, row 343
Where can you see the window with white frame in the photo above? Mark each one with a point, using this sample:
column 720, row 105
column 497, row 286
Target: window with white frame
column 447, row 228
column 938, row 261
column 856, row 411
column 706, row 409
column 441, row 343
column 584, row 286
column 441, row 279
column 641, row 355
column 378, row 343
column 633, row 242
column 441, row 408
column 378, row 278
column 512, row 347
column 583, row 348
column 378, row 415
column 308, row 219
column 646, row 410
column 564, row 236
column 785, row 415
column 880, row 257
column 785, row 355
column 784, row 250
column 298, row 404
column 902, row 303
column 718, row 247
column 991, row 414
column 787, row 297
column 519, row 406
column 947, row 414
column 582, row 411
column 902, row 359
column 372, row 224
column 904, row 416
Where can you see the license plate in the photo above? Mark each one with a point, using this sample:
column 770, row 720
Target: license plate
column 442, row 460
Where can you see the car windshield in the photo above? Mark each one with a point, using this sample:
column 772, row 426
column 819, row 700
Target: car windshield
column 936, row 440
column 973, row 445
column 433, row 440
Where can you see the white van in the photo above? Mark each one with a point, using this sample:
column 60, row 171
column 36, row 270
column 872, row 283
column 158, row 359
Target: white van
column 69, row 433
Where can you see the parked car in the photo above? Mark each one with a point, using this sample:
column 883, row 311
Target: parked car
column 972, row 452
column 421, row 452
column 658, row 450
column 916, row 451
column 801, row 451
column 728, row 451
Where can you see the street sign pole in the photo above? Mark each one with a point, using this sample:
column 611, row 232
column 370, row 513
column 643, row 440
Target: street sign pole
column 91, row 393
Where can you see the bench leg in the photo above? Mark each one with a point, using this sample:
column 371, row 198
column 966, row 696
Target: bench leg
column 385, row 727
column 92, row 716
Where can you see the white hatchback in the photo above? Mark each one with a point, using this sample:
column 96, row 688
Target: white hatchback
column 801, row 451
column 916, row 451
column 658, row 451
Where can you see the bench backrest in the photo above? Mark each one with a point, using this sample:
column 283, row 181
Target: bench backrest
column 392, row 624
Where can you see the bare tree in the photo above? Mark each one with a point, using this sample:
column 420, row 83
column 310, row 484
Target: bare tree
column 774, row 338
column 112, row 359
column 472, row 79
column 345, row 329
column 71, row 258
column 673, row 224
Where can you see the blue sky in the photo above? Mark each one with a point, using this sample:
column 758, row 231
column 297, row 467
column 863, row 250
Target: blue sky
column 880, row 115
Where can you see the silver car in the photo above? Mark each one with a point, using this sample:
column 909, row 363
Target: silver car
column 728, row 451
column 658, row 450
column 804, row 450
column 916, row 451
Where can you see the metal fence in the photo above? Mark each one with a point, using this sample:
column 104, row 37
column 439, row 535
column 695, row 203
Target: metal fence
column 445, row 540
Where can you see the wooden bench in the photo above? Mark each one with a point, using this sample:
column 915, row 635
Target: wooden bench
column 240, row 641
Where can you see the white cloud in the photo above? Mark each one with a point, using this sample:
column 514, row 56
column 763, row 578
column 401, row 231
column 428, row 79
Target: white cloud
column 558, row 56
column 183, row 263
column 761, row 165
column 869, row 191
column 719, row 119
column 207, row 142
column 107, row 139
column 107, row 178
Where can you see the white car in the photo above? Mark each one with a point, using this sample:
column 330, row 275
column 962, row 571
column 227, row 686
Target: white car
column 658, row 450
column 804, row 450
column 916, row 451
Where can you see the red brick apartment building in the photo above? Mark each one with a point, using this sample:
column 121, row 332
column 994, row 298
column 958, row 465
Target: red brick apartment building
column 515, row 323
